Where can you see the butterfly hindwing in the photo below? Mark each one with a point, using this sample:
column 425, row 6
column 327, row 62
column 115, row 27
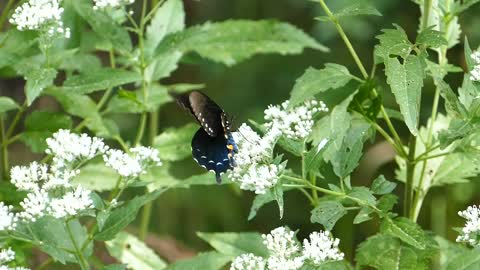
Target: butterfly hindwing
column 211, row 152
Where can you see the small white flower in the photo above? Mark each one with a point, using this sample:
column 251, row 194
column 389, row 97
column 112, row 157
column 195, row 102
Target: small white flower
column 295, row 123
column 28, row 177
column 102, row 4
column 280, row 263
column 44, row 15
column 471, row 230
column 35, row 205
column 248, row 262
column 321, row 248
column 7, row 255
column 8, row 220
column 67, row 147
column 258, row 177
column 71, row 203
column 475, row 72
column 134, row 164
column 281, row 242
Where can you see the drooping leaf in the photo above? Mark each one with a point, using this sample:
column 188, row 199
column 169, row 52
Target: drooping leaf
column 363, row 215
column 236, row 244
column 169, row 18
column 132, row 252
column 7, row 104
column 175, row 143
column 232, row 41
column 259, row 201
column 382, row 186
column 124, row 215
column 99, row 80
column 328, row 213
column 37, row 81
column 315, row 81
column 405, row 230
column 205, row 261
column 406, row 82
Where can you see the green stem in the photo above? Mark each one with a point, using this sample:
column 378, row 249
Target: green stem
column 410, row 175
column 109, row 91
column 432, row 156
column 81, row 259
column 4, row 149
column 427, row 5
column 5, row 12
column 16, row 119
column 313, row 181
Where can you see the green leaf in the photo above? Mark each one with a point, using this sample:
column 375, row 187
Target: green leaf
column 384, row 252
column 175, row 143
column 97, row 177
column 114, row 267
column 356, row 9
column 132, row 252
column 236, row 244
column 363, row 194
column 468, row 52
column 259, row 201
column 124, row 215
column 169, row 18
column 469, row 260
column 104, row 25
column 37, row 81
column 7, row 104
column 162, row 66
column 278, row 195
column 81, row 106
column 133, row 101
column 232, row 41
column 386, row 202
column 393, row 42
column 99, row 80
column 406, row 81
column 314, row 157
column 363, row 215
column 431, row 38
column 205, row 261
column 51, row 236
column 381, row 186
column 315, row 81
column 406, row 230
column 329, row 265
column 328, row 213
column 40, row 125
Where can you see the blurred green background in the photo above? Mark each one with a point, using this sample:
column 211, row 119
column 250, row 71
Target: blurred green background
column 246, row 89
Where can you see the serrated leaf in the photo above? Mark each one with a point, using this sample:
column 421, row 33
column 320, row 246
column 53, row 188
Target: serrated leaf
column 363, row 215
column 132, row 252
column 385, row 252
column 315, row 81
column 328, row 213
column 382, row 186
column 431, row 38
column 175, row 143
column 205, row 261
column 314, row 157
column 405, row 230
column 393, row 42
column 362, row 194
column 406, row 82
column 37, row 81
column 7, row 104
column 104, row 25
column 169, row 18
column 236, row 244
column 134, row 102
column 259, row 201
column 356, row 9
column 124, row 215
column 386, row 202
column 232, row 41
column 99, row 80
column 97, row 177
column 161, row 66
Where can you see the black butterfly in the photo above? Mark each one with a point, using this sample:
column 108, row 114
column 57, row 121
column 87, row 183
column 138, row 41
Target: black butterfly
column 213, row 146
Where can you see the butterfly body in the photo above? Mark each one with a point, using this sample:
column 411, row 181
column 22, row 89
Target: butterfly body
column 213, row 146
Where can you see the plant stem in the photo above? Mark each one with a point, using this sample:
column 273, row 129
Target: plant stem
column 427, row 5
column 16, row 119
column 5, row 12
column 81, row 259
column 4, row 149
column 410, row 175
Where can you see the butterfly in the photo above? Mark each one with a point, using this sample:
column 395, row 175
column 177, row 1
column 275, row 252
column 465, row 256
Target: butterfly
column 213, row 146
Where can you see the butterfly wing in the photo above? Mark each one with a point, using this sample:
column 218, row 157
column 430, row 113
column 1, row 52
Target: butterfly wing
column 206, row 111
column 211, row 152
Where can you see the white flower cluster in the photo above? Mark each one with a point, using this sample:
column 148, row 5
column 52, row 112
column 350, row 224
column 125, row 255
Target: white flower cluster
column 475, row 72
column 8, row 220
column 254, row 170
column 102, row 4
column 43, row 15
column 8, row 255
column 471, row 230
column 295, row 123
column 286, row 253
column 133, row 164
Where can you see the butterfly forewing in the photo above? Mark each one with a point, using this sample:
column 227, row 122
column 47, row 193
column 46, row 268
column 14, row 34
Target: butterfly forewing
column 207, row 113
